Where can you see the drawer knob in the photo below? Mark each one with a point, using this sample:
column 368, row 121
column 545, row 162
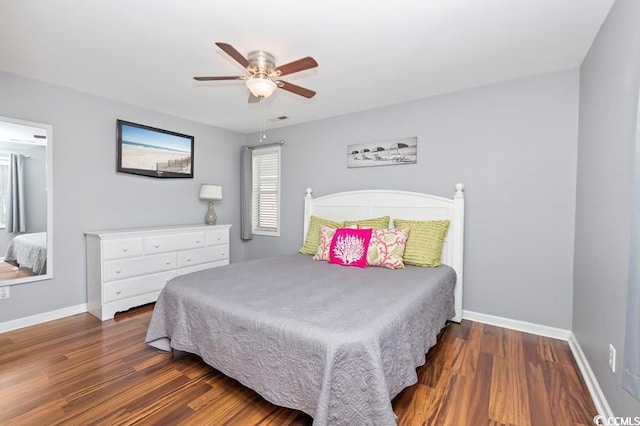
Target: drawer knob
column 188, row 259
column 156, row 245
column 197, row 241
column 118, row 291
column 168, row 262
column 222, row 253
column 124, row 249
column 118, row 271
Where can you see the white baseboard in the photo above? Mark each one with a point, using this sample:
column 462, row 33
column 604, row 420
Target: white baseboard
column 43, row 317
column 524, row 326
column 590, row 379
column 597, row 396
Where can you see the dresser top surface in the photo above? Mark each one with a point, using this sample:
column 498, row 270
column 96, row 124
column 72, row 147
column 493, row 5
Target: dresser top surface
column 172, row 229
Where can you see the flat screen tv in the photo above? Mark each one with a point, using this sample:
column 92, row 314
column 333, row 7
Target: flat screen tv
column 148, row 151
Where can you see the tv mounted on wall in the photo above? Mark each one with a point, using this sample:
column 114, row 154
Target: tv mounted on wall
column 147, row 151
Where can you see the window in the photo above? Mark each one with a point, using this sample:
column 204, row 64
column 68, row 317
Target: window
column 4, row 189
column 265, row 197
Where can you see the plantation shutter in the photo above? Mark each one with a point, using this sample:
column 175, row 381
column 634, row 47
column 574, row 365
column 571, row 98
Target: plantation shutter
column 266, row 191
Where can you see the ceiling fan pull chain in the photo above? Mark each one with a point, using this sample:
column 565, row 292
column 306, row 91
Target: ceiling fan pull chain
column 263, row 133
column 264, row 122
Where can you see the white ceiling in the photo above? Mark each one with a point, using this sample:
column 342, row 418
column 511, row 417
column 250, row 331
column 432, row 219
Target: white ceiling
column 16, row 133
column 370, row 54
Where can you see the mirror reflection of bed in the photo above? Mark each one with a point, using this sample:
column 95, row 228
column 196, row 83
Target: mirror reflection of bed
column 26, row 256
column 23, row 201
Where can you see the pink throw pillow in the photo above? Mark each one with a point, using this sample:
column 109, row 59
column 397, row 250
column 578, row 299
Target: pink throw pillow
column 349, row 247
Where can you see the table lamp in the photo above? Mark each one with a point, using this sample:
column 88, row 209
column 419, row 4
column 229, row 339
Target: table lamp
column 210, row 193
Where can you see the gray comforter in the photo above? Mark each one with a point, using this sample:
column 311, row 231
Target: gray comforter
column 335, row 342
column 29, row 251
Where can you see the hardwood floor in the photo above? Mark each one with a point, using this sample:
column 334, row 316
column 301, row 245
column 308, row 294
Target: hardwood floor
column 78, row 371
column 9, row 271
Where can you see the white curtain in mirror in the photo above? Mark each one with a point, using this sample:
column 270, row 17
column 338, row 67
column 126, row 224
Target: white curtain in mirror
column 16, row 210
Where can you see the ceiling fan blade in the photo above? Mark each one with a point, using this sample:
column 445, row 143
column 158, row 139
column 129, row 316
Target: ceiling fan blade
column 296, row 89
column 296, row 66
column 239, row 77
column 253, row 99
column 231, row 51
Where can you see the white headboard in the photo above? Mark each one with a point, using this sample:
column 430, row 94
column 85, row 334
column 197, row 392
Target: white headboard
column 354, row 205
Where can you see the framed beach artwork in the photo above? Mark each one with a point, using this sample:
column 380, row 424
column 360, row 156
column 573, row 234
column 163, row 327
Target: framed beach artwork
column 385, row 153
column 148, row 151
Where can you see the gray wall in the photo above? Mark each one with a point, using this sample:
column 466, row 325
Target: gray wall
column 514, row 146
column 89, row 194
column 609, row 82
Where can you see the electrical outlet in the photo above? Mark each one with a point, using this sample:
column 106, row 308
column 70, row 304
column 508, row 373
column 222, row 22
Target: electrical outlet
column 4, row 292
column 612, row 358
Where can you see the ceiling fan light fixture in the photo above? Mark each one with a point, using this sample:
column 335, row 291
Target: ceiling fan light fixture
column 264, row 74
column 261, row 87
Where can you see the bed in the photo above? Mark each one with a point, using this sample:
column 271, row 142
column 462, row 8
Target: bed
column 29, row 251
column 338, row 343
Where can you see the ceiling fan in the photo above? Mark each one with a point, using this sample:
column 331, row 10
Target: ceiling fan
column 264, row 78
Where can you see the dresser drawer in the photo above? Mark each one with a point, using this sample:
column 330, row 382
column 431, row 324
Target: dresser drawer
column 203, row 255
column 202, row 267
column 125, row 268
column 172, row 242
column 122, row 248
column 220, row 236
column 129, row 267
column 123, row 289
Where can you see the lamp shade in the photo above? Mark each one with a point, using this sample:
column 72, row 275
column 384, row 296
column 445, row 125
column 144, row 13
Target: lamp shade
column 261, row 86
column 210, row 192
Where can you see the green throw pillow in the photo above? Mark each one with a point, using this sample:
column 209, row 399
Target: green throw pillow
column 313, row 234
column 424, row 246
column 375, row 223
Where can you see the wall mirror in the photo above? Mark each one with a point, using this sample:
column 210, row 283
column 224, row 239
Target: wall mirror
column 26, row 216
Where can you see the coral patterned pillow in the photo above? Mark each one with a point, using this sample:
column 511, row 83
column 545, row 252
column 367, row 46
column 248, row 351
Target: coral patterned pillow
column 326, row 235
column 349, row 247
column 386, row 247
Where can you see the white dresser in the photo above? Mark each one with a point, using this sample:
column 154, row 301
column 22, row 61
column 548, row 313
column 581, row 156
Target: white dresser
column 128, row 268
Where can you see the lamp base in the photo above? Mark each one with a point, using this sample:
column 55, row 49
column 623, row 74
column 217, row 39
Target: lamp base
column 210, row 218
